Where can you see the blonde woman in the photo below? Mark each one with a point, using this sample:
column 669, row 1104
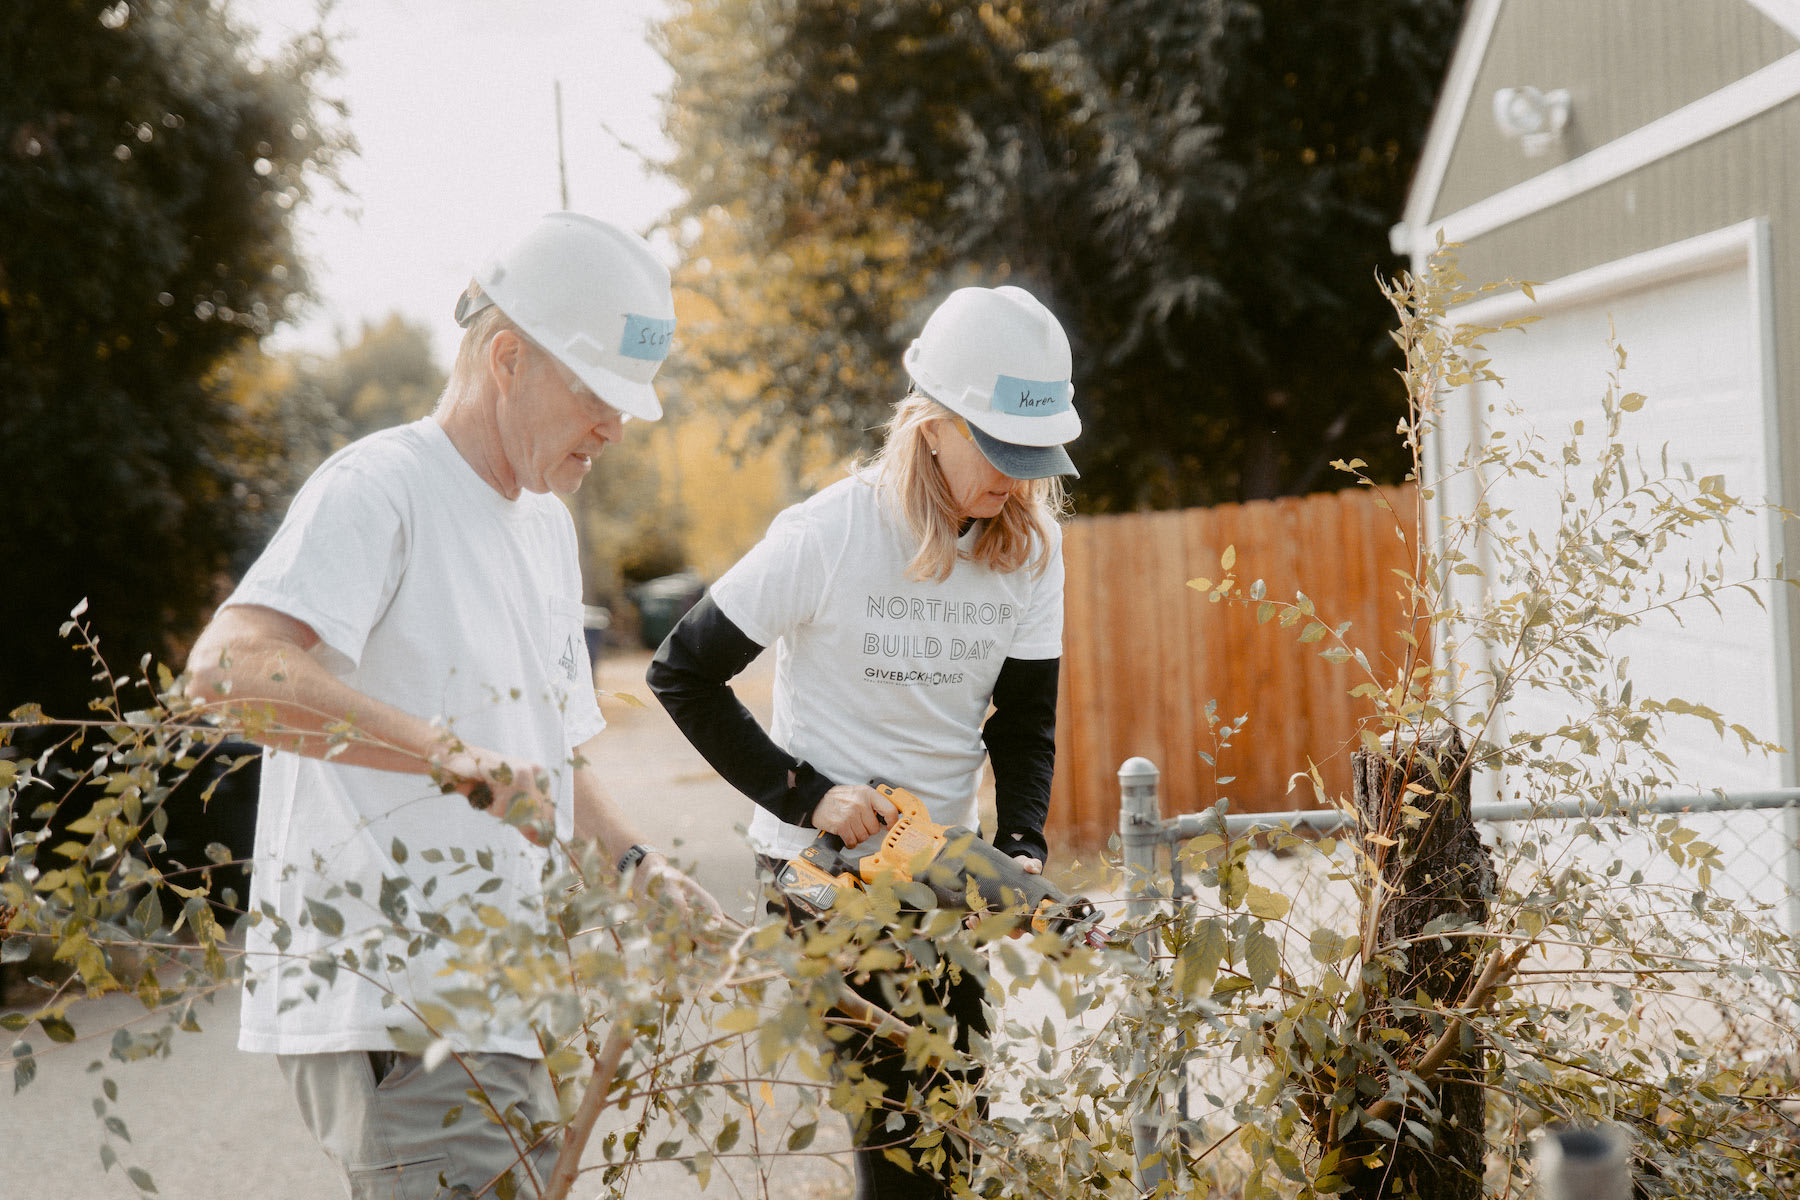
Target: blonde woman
column 903, row 601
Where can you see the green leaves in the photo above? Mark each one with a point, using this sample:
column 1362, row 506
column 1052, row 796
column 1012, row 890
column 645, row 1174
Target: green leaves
column 155, row 312
column 1329, row 947
column 1262, row 957
column 328, row 920
column 24, row 1066
column 392, row 901
column 56, row 1028
column 1270, row 906
column 1197, row 966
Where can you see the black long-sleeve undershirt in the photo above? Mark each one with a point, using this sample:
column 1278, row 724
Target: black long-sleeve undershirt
column 1021, row 743
column 691, row 676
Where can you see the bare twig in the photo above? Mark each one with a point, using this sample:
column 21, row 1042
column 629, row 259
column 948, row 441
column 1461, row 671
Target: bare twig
column 581, row 1125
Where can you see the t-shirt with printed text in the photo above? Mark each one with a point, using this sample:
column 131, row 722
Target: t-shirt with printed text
column 878, row 675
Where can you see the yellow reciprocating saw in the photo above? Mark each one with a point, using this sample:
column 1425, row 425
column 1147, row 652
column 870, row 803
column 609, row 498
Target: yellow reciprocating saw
column 947, row 859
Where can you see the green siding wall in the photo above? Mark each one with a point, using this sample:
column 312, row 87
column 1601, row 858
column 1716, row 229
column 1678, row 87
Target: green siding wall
column 1624, row 62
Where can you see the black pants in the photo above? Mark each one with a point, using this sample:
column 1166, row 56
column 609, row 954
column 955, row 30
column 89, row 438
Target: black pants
column 877, row 1176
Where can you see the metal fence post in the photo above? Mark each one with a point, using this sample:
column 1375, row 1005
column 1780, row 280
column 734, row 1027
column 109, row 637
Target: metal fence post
column 1791, row 826
column 1140, row 820
column 1583, row 1164
column 1140, row 814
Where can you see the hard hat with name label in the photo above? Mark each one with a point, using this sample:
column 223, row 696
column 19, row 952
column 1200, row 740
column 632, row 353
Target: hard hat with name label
column 594, row 296
column 1000, row 360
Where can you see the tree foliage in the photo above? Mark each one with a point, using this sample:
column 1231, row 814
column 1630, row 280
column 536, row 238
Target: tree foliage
column 149, row 167
column 386, row 377
column 1201, row 191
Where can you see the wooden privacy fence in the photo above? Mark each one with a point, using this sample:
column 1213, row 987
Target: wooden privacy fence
column 1143, row 652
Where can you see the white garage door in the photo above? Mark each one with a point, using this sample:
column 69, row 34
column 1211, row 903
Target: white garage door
column 1690, row 319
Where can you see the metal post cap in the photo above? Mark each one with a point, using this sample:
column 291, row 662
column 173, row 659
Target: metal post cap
column 1137, row 770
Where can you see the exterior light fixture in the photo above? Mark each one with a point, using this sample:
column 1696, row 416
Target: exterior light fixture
column 1535, row 119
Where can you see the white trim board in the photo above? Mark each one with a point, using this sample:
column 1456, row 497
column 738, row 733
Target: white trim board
column 1452, row 108
column 1669, row 134
column 1748, row 244
column 1785, row 13
column 1691, row 256
column 1712, row 114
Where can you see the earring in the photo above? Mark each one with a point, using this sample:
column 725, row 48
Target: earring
column 934, row 454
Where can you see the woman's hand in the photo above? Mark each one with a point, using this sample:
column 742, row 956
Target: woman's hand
column 855, row 812
column 1030, row 866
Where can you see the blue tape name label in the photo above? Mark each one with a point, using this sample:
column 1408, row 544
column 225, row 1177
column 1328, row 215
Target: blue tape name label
column 1031, row 397
column 646, row 337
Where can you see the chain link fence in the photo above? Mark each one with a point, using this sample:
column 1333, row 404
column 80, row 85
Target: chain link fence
column 1648, row 868
column 1756, row 836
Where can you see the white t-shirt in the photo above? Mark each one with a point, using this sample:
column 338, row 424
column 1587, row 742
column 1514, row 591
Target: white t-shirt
column 878, row 676
column 433, row 593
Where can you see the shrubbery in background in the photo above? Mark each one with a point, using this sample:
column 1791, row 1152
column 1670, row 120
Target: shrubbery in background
column 149, row 170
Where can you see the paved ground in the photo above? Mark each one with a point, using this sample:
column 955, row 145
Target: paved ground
column 212, row 1123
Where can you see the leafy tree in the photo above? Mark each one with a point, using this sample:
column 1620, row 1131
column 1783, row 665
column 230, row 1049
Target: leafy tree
column 1201, row 190
column 149, row 167
column 284, row 424
column 387, row 376
column 631, row 526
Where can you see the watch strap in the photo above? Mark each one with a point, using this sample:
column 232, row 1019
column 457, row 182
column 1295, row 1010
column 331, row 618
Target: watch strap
column 635, row 855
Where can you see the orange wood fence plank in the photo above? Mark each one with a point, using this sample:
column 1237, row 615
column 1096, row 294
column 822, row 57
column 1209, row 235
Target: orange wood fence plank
column 1143, row 654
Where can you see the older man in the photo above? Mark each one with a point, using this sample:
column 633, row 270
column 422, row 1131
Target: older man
column 416, row 621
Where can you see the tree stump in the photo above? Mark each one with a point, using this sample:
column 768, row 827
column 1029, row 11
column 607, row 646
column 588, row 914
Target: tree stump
column 1435, row 868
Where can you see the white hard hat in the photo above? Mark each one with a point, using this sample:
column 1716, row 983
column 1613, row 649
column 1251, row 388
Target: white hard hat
column 1000, row 360
column 593, row 295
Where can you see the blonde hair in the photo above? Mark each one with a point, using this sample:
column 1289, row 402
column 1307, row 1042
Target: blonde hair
column 1019, row 535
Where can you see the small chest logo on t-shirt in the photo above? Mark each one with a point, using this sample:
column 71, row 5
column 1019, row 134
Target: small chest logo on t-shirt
column 569, row 660
column 962, row 633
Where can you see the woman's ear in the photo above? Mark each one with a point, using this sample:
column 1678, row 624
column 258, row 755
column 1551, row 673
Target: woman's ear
column 931, row 433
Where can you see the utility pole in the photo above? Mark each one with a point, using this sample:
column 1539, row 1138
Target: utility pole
column 562, row 166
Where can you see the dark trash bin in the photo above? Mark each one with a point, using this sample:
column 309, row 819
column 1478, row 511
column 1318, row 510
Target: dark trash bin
column 595, row 621
column 661, row 602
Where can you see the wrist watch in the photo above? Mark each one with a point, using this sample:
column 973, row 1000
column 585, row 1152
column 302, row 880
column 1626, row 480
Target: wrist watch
column 634, row 856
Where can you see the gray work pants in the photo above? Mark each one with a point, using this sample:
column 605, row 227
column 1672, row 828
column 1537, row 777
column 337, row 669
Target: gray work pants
column 380, row 1116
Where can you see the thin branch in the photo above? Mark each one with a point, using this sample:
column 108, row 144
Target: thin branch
column 593, row 1103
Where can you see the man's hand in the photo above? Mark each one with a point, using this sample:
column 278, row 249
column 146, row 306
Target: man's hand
column 515, row 790
column 855, row 812
column 653, row 876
